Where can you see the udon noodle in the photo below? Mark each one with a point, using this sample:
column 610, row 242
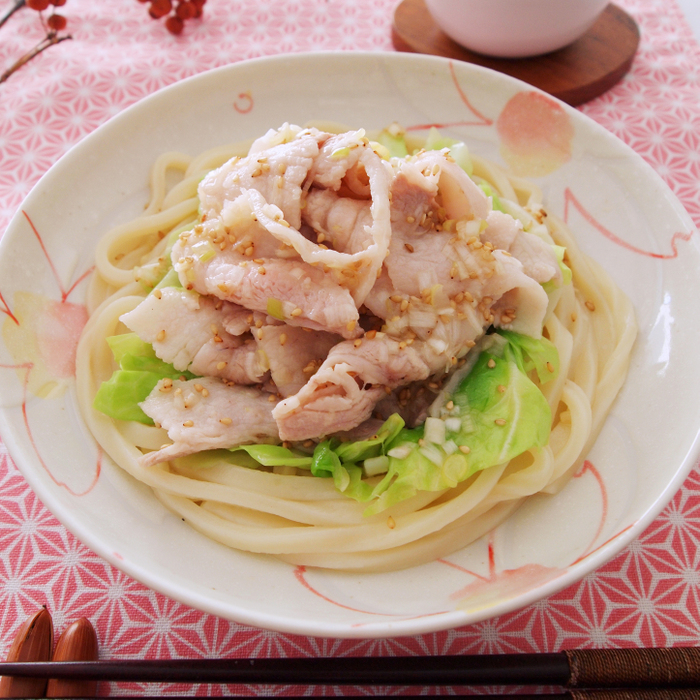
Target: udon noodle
column 285, row 512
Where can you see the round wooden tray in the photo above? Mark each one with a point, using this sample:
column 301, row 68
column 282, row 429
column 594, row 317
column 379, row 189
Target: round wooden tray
column 575, row 74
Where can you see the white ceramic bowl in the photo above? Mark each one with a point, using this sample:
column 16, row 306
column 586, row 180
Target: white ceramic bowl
column 645, row 451
column 515, row 28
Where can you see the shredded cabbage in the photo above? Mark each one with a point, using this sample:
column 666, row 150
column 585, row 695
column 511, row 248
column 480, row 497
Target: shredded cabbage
column 139, row 372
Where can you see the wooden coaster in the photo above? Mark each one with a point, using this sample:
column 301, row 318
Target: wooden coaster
column 575, row 74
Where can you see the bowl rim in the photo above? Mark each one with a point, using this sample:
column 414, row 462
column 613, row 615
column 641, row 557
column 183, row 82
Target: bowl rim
column 399, row 627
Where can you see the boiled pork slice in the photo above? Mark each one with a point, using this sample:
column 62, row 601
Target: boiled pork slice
column 206, row 414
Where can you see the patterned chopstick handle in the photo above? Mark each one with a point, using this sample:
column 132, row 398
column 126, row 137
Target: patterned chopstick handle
column 633, row 668
column 638, row 694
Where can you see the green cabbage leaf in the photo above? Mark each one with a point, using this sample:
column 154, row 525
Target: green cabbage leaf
column 139, row 372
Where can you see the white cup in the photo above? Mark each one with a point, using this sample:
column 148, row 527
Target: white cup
column 515, row 28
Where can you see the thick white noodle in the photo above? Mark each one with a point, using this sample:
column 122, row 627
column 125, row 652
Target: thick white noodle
column 303, row 519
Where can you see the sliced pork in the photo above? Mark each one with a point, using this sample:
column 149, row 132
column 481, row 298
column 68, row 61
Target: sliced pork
column 188, row 330
column 440, row 288
column 290, row 289
column 337, row 280
column 506, row 233
column 276, row 172
column 293, row 354
column 205, row 414
column 344, row 391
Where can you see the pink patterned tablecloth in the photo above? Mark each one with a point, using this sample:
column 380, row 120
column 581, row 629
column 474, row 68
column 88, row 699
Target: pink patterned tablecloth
column 647, row 596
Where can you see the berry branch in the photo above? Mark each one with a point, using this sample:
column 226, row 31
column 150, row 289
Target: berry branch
column 175, row 12
column 53, row 24
column 18, row 5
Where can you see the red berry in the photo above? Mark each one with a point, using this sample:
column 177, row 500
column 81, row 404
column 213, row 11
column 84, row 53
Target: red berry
column 38, row 5
column 57, row 22
column 186, row 10
column 160, row 8
column 174, row 24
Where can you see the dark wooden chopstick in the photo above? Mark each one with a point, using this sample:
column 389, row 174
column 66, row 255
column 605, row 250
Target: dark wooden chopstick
column 677, row 667
column 652, row 694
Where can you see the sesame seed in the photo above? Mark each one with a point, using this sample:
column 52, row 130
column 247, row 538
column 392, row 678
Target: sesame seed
column 450, row 405
column 271, row 398
column 500, row 421
column 465, row 449
column 261, row 270
column 410, row 219
column 296, row 312
column 358, row 342
column 370, row 335
column 161, row 336
column 320, row 238
column 391, row 523
column 157, row 294
column 590, row 306
column 214, row 329
column 222, row 288
column 501, row 389
column 221, row 365
column 573, row 317
column 248, row 251
column 408, row 247
column 491, row 363
column 225, row 421
column 350, row 325
column 396, row 298
column 308, row 443
column 402, row 345
column 187, row 424
column 198, row 387
column 283, row 338
column 259, row 333
column 218, row 339
column 205, row 392
column 258, row 261
column 550, row 367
